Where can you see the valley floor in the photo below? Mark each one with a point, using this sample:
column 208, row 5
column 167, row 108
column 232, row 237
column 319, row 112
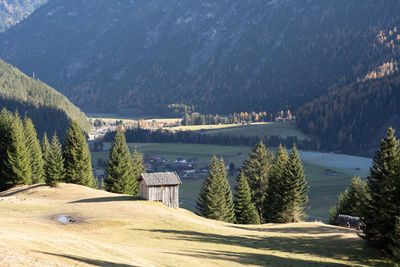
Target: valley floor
column 117, row 230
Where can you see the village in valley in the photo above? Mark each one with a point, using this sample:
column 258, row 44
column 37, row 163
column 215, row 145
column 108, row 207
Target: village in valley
column 185, row 167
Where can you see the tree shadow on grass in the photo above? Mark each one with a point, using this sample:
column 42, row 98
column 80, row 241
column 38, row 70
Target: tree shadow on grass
column 335, row 246
column 252, row 258
column 107, row 199
column 318, row 229
column 87, row 260
column 9, row 194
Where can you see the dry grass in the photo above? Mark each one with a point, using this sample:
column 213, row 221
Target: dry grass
column 118, row 230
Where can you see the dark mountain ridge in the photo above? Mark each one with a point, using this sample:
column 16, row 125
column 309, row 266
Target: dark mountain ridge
column 222, row 56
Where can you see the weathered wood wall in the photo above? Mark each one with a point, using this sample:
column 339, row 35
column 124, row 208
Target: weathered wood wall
column 167, row 194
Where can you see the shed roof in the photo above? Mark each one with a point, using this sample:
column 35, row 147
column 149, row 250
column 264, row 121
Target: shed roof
column 160, row 178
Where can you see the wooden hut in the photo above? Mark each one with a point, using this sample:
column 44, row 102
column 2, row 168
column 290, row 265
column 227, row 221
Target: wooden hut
column 161, row 186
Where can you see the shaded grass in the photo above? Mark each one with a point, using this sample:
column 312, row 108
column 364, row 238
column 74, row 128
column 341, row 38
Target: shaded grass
column 125, row 233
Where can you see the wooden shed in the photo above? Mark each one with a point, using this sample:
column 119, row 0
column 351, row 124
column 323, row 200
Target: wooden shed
column 160, row 186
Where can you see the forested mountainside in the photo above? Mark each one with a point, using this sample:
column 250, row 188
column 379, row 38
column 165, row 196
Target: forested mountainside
column 13, row 11
column 354, row 117
column 220, row 56
column 49, row 109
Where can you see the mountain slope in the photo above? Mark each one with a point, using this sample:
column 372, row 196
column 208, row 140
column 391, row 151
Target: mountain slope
column 49, row 109
column 354, row 118
column 13, row 11
column 222, row 56
column 113, row 230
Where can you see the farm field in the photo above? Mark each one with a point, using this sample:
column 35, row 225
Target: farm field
column 268, row 129
column 105, row 229
column 327, row 174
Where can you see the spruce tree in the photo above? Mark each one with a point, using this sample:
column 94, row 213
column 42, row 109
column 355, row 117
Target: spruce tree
column 77, row 162
column 382, row 205
column 273, row 209
column 119, row 170
column 229, row 206
column 6, row 177
column 137, row 169
column 245, row 210
column 295, row 189
column 54, row 162
column 35, row 152
column 212, row 201
column 46, row 155
column 257, row 170
column 350, row 202
column 18, row 157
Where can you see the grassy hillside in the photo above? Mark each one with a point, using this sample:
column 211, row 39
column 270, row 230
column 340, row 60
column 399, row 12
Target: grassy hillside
column 117, row 230
column 29, row 96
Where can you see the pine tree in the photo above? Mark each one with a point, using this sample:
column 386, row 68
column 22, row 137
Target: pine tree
column 6, row 178
column 18, row 156
column 295, row 189
column 350, row 202
column 226, row 188
column 273, row 209
column 214, row 195
column 138, row 168
column 46, row 155
column 257, row 170
column 382, row 205
column 77, row 162
column 119, row 170
column 245, row 210
column 54, row 161
column 35, row 152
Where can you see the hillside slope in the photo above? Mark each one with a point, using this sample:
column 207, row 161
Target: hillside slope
column 13, row 11
column 135, row 57
column 49, row 109
column 354, row 118
column 115, row 230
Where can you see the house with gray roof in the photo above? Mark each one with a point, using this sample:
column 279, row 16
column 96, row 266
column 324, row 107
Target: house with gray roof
column 160, row 186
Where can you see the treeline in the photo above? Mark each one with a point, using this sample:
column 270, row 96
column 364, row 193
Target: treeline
column 46, row 119
column 271, row 189
column 196, row 118
column 376, row 200
column 24, row 161
column 189, row 137
column 352, row 119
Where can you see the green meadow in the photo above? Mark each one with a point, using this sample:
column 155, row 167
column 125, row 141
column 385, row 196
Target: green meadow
column 327, row 174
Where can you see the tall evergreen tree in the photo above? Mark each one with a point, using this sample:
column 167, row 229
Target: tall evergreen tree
column 295, row 189
column 245, row 210
column 77, row 162
column 273, row 209
column 229, row 206
column 212, row 201
column 382, row 205
column 137, row 168
column 18, row 157
column 45, row 154
column 6, row 178
column 35, row 152
column 54, row 161
column 119, row 170
column 350, row 202
column 257, row 170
